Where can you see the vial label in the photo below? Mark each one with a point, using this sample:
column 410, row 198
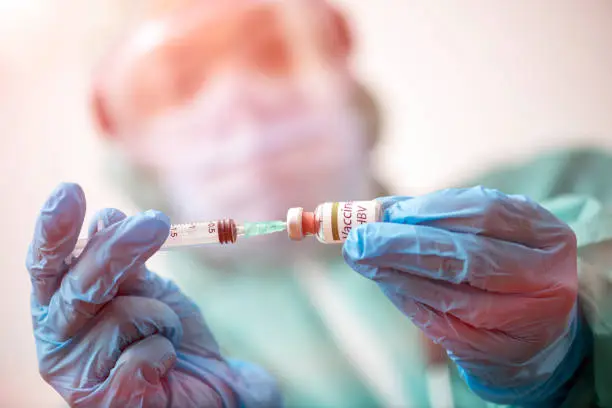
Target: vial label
column 339, row 218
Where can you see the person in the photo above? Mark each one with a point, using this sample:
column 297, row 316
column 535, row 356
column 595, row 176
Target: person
column 488, row 274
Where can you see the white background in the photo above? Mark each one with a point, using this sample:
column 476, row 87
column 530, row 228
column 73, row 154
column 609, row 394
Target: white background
column 463, row 85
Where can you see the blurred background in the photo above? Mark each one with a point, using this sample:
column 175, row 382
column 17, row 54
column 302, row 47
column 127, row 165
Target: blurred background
column 461, row 88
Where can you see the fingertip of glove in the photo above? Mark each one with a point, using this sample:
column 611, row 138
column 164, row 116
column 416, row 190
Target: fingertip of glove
column 157, row 215
column 61, row 215
column 66, row 197
column 354, row 245
column 68, row 189
column 158, row 221
column 144, row 232
column 356, row 249
column 104, row 219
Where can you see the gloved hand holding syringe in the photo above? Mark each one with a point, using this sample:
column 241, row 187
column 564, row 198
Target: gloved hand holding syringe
column 330, row 223
column 193, row 234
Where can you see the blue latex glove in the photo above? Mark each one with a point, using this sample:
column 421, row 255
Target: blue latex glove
column 490, row 277
column 110, row 333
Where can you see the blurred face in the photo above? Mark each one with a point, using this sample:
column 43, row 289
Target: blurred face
column 268, row 147
column 241, row 111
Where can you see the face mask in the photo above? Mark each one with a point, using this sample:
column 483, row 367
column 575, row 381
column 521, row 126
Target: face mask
column 250, row 150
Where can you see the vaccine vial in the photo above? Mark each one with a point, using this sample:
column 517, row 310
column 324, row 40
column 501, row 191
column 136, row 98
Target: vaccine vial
column 332, row 222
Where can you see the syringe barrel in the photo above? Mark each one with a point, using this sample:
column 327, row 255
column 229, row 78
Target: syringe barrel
column 186, row 235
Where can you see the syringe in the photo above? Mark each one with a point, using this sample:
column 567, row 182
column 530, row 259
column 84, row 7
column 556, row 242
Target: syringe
column 193, row 234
